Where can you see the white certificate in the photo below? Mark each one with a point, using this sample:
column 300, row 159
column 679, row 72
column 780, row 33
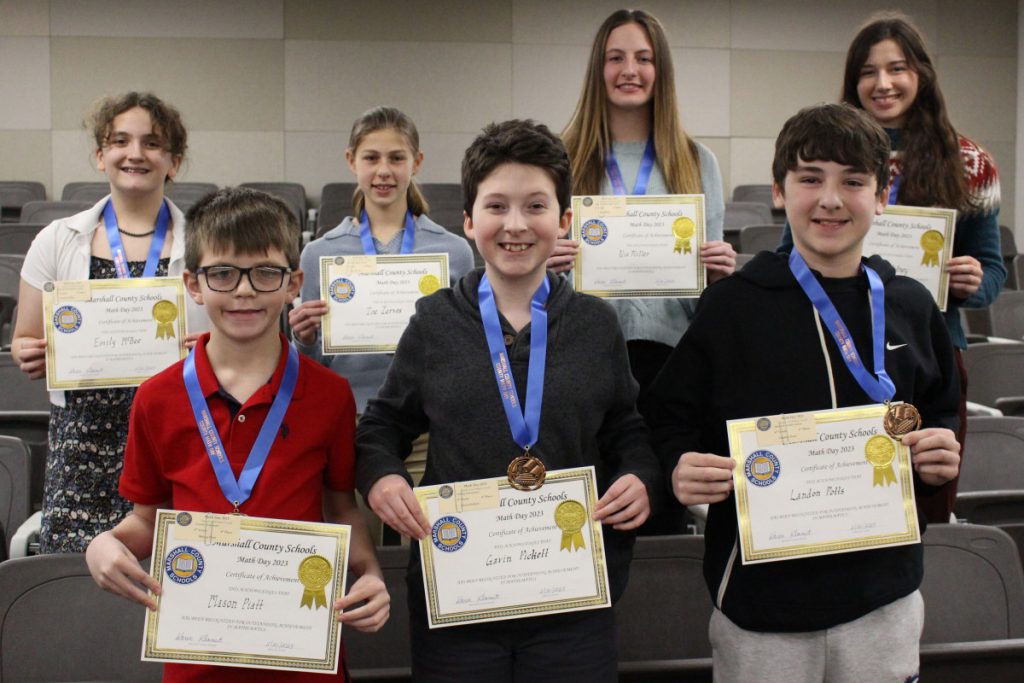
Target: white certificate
column 246, row 591
column 917, row 242
column 112, row 333
column 498, row 553
column 634, row 246
column 371, row 298
column 821, row 482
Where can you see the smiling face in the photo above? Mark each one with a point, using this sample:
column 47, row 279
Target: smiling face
column 516, row 223
column 629, row 67
column 244, row 315
column 887, row 85
column 830, row 208
column 135, row 156
column 384, row 165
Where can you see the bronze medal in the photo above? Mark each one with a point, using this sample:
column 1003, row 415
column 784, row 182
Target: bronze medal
column 901, row 419
column 526, row 473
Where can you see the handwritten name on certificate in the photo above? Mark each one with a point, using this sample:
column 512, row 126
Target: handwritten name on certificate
column 498, row 553
column 112, row 333
column 917, row 242
column 819, row 483
column 246, row 591
column 638, row 246
column 371, row 298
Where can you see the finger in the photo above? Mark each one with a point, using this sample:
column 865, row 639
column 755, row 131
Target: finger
column 706, row 474
column 635, row 522
column 624, row 514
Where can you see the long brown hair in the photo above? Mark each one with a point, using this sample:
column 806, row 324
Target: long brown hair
column 932, row 169
column 588, row 135
column 383, row 118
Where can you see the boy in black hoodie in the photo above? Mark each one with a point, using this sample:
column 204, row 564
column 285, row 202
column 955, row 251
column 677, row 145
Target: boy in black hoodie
column 758, row 346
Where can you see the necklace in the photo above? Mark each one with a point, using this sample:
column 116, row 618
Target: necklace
column 136, row 234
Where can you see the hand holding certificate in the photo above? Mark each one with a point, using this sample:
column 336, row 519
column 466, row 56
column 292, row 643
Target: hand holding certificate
column 821, row 482
column 246, row 591
column 496, row 552
column 639, row 245
column 112, row 333
column 371, row 298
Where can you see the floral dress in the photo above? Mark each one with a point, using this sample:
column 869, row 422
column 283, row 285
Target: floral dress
column 86, row 443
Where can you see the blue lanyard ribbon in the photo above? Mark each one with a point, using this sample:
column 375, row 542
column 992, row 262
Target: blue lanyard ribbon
column 878, row 386
column 366, row 235
column 237, row 492
column 117, row 248
column 525, row 425
column 643, row 175
column 894, row 188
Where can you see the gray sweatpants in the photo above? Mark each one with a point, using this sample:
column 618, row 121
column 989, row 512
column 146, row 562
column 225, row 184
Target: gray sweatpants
column 881, row 646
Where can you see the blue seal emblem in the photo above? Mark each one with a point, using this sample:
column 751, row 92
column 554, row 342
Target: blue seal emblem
column 594, row 232
column 762, row 468
column 342, row 290
column 448, row 534
column 67, row 319
column 184, row 565
column 183, row 519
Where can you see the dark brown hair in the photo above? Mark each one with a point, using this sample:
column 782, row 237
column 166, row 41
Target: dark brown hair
column 241, row 219
column 516, row 141
column 932, row 170
column 166, row 120
column 833, row 132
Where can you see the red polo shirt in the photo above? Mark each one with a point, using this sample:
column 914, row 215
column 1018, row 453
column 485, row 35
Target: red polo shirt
column 165, row 459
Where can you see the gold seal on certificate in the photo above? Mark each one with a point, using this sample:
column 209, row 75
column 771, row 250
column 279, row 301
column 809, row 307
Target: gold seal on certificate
column 931, row 242
column 429, row 284
column 683, row 228
column 314, row 573
column 570, row 517
column 880, row 451
column 165, row 313
column 526, row 473
column 901, row 419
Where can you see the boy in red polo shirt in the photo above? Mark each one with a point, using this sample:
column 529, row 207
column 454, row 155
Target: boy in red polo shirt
column 242, row 265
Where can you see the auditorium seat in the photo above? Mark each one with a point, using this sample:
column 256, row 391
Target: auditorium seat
column 10, row 282
column 1007, row 313
column 384, row 655
column 56, row 624
column 974, row 606
column 445, row 200
column 292, row 194
column 1008, row 247
column 762, row 194
column 758, row 238
column 335, row 205
column 14, row 194
column 16, row 238
column 32, row 427
column 739, row 214
column 46, row 212
column 15, row 504
column 20, row 392
column 996, row 374
column 87, row 191
column 1015, row 273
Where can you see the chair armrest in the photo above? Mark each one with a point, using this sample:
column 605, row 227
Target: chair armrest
column 28, row 528
column 980, row 409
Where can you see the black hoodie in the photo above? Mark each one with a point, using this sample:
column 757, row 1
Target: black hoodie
column 753, row 349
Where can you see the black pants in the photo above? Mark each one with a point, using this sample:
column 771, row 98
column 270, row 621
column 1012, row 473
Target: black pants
column 579, row 646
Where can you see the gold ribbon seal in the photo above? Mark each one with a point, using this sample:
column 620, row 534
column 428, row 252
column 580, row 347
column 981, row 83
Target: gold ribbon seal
column 314, row 573
column 570, row 516
column 931, row 242
column 683, row 229
column 165, row 313
column 429, row 284
column 880, row 451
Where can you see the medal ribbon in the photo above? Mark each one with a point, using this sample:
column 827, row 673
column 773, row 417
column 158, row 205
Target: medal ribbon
column 894, row 188
column 370, row 249
column 237, row 492
column 880, row 389
column 525, row 425
column 117, row 248
column 643, row 175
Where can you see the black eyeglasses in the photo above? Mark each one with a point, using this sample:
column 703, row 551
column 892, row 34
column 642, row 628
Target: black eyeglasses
column 226, row 278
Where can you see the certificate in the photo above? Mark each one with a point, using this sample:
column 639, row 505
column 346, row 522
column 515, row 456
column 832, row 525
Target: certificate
column 634, row 246
column 821, row 482
column 498, row 553
column 917, row 241
column 371, row 298
column 112, row 333
column 246, row 591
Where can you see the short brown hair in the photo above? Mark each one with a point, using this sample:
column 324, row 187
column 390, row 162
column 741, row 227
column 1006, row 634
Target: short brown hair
column 833, row 132
column 242, row 219
column 166, row 119
column 516, row 141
